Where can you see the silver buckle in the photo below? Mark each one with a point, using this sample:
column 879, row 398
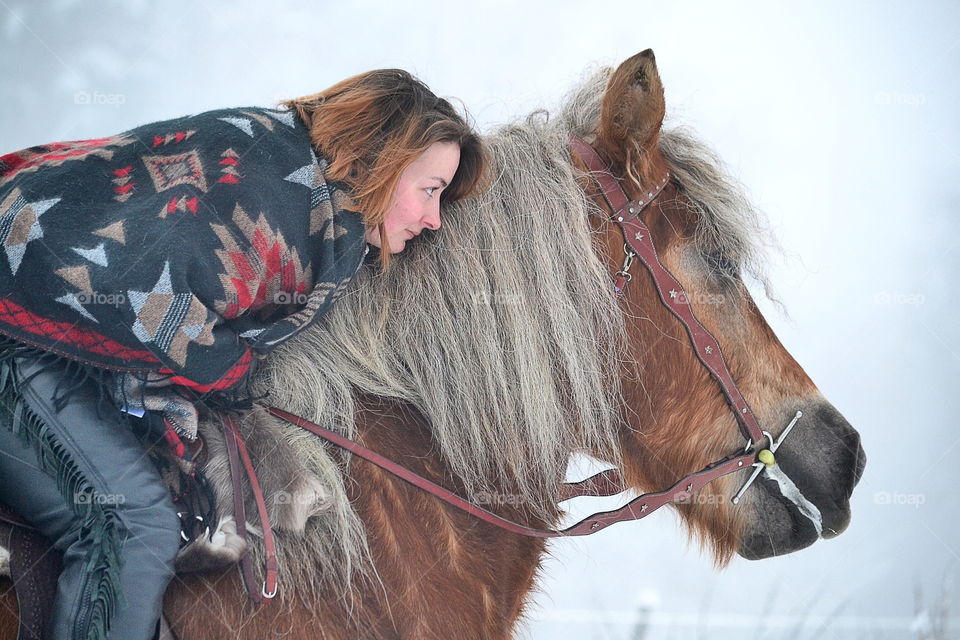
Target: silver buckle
column 263, row 590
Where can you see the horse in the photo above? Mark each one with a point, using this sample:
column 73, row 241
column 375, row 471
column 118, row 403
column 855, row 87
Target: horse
column 490, row 354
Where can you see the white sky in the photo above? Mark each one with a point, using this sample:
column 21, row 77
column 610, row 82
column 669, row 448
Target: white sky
column 836, row 116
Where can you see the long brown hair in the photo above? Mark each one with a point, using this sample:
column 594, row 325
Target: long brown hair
column 373, row 125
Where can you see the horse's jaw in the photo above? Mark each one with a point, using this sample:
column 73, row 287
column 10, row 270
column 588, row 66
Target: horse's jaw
column 779, row 525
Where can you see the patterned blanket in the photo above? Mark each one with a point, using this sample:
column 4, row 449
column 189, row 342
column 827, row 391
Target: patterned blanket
column 158, row 261
column 175, row 251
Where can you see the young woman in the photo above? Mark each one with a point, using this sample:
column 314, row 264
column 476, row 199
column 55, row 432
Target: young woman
column 144, row 275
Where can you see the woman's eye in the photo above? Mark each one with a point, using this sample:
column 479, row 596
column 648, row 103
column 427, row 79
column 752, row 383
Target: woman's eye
column 430, row 191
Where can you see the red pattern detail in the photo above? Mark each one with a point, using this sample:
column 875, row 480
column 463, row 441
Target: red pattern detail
column 175, row 204
column 173, row 440
column 261, row 291
column 159, row 141
column 253, row 274
column 49, row 156
column 269, row 254
column 13, row 314
column 244, row 299
column 232, row 310
column 123, row 191
column 288, row 277
column 228, row 162
column 12, row 163
column 62, row 156
column 242, row 264
column 89, row 341
column 230, row 378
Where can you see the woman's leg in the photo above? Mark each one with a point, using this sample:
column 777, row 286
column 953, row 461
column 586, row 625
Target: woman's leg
column 123, row 479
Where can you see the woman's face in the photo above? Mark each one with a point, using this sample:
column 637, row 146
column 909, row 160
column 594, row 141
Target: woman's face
column 416, row 202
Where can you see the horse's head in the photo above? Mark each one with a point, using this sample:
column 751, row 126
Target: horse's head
column 678, row 420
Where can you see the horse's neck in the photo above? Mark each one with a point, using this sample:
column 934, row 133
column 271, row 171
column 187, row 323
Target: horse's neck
column 435, row 561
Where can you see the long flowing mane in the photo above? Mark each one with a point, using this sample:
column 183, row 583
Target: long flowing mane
column 502, row 331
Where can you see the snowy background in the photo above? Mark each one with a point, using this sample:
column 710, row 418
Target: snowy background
column 837, row 116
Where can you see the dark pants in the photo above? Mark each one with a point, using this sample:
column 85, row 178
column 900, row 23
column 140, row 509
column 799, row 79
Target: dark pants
column 113, row 461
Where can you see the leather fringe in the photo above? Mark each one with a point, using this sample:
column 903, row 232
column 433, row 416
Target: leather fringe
column 99, row 523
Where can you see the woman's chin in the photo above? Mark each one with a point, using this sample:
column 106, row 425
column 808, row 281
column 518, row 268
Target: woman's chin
column 397, row 244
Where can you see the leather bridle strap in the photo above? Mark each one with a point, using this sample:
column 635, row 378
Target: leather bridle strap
column 638, row 240
column 638, row 508
column 237, row 451
column 606, row 483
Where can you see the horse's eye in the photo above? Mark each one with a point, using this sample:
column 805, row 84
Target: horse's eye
column 722, row 265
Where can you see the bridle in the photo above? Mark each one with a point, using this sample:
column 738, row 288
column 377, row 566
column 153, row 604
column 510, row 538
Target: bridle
column 638, row 244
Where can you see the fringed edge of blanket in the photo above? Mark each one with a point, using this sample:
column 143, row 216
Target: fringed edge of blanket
column 236, row 400
column 99, row 523
column 76, row 375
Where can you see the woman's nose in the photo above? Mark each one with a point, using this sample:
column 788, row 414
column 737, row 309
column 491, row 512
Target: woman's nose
column 431, row 219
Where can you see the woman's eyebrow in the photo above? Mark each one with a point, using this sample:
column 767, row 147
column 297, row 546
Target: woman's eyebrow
column 442, row 182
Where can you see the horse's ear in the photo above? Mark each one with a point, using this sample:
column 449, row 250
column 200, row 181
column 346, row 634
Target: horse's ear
column 633, row 109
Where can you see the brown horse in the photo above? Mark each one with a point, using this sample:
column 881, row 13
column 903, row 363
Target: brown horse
column 488, row 356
